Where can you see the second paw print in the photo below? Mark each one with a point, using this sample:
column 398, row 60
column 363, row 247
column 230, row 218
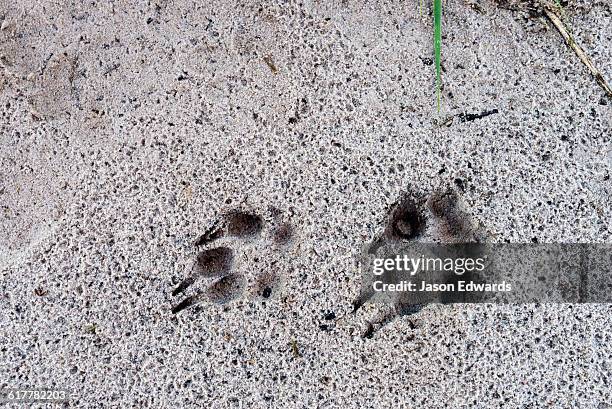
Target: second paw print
column 237, row 237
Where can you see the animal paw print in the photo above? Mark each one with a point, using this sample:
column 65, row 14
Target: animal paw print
column 218, row 263
column 439, row 218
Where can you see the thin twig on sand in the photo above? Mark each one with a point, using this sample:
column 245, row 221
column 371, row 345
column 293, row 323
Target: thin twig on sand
column 554, row 17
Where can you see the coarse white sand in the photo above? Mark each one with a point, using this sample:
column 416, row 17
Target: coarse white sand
column 128, row 127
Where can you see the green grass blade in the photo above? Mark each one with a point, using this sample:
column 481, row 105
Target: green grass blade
column 438, row 47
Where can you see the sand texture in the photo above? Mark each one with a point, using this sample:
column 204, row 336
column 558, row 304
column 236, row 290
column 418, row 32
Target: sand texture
column 130, row 130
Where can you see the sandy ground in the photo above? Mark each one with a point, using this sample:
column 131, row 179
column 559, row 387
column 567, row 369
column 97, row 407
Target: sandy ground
column 127, row 128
